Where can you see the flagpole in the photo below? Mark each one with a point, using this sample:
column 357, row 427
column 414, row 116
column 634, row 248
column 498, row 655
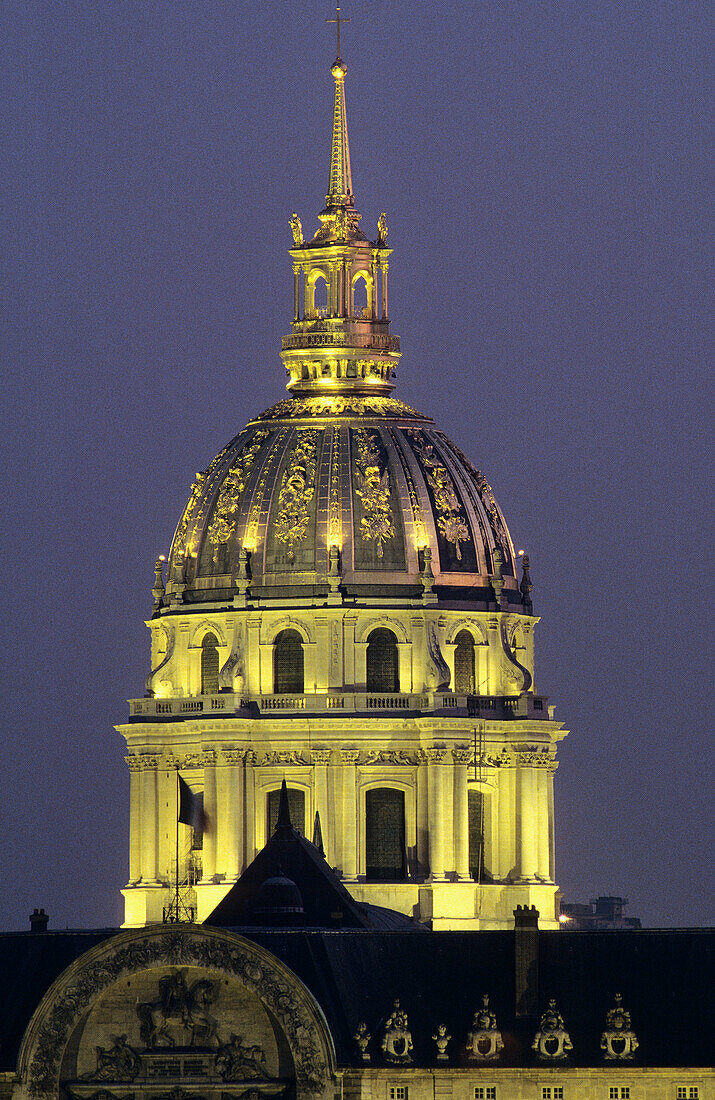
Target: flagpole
column 178, row 804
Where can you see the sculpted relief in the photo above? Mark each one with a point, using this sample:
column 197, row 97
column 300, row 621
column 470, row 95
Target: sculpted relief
column 181, row 1029
column 197, row 1014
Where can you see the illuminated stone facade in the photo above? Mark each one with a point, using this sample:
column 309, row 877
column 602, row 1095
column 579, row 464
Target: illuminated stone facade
column 342, row 608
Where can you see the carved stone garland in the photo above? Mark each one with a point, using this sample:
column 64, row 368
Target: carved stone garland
column 450, row 520
column 223, row 520
column 297, row 491
column 373, row 489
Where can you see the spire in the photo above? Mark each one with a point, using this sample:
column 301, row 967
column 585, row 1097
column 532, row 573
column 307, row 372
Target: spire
column 318, row 834
column 284, row 825
column 340, row 187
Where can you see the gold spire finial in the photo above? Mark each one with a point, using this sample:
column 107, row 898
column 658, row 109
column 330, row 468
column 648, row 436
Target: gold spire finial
column 340, row 186
column 338, row 21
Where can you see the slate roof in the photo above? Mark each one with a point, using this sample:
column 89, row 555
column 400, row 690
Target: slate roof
column 666, row 978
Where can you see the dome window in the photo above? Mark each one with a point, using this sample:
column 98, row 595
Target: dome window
column 209, row 664
column 288, row 676
column 385, row 857
column 464, row 664
column 382, row 665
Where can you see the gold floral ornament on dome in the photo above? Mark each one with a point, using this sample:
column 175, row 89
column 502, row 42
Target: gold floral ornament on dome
column 180, row 540
column 223, row 521
column 450, row 520
column 297, row 491
column 373, row 489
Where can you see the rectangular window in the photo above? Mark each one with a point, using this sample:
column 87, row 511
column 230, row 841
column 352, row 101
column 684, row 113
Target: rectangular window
column 687, row 1092
column 552, row 1092
column 398, row 1092
column 485, row 1092
column 619, row 1092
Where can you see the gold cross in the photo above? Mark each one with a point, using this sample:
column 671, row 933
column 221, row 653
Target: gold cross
column 338, row 20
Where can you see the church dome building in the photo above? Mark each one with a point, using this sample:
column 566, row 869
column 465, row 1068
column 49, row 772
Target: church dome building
column 341, row 608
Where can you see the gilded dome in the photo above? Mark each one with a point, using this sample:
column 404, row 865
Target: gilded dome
column 366, row 477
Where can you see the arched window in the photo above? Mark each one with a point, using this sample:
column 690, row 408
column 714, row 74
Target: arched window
column 320, row 297
column 385, row 856
column 464, row 664
column 475, row 817
column 296, row 808
column 382, row 666
column 360, row 298
column 209, row 664
column 288, row 663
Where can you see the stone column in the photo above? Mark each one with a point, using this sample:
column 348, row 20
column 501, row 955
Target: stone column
column 461, row 757
column 149, row 838
column 528, row 823
column 230, row 792
column 250, row 807
column 320, row 759
column 135, row 817
column 436, row 807
column 373, row 291
column 348, row 760
column 296, row 292
column 208, row 860
column 542, row 800
column 384, row 291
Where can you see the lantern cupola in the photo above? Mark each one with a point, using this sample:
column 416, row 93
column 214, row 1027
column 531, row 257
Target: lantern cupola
column 340, row 340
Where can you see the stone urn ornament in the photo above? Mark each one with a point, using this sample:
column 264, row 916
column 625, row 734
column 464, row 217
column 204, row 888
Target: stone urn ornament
column 362, row 1037
column 442, row 1039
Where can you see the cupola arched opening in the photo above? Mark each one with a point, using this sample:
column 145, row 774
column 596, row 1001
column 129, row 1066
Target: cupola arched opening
column 382, row 662
column 319, row 296
column 464, row 678
column 361, row 296
column 385, row 853
column 288, row 674
column 296, row 809
column 209, row 664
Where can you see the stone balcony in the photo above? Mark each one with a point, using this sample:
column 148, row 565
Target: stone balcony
column 228, row 705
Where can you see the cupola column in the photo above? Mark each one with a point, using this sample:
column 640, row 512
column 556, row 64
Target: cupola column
column 348, row 760
column 528, row 823
column 461, row 757
column 437, row 812
column 208, row 862
column 543, row 868
column 229, row 776
column 149, row 820
column 296, row 292
column 135, row 810
column 384, row 268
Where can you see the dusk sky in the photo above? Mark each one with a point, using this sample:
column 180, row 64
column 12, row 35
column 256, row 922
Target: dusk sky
column 544, row 171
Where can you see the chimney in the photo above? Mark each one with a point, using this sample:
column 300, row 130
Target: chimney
column 526, row 959
column 39, row 920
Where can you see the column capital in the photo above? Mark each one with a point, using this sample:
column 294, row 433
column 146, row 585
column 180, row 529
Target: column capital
column 435, row 754
column 349, row 756
column 233, row 756
column 462, row 754
column 320, row 756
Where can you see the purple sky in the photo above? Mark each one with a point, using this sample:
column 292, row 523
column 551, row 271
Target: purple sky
column 543, row 167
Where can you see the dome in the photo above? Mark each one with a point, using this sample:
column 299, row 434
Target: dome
column 352, row 490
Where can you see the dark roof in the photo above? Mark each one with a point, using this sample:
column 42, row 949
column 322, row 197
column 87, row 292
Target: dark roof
column 665, row 978
column 326, row 902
